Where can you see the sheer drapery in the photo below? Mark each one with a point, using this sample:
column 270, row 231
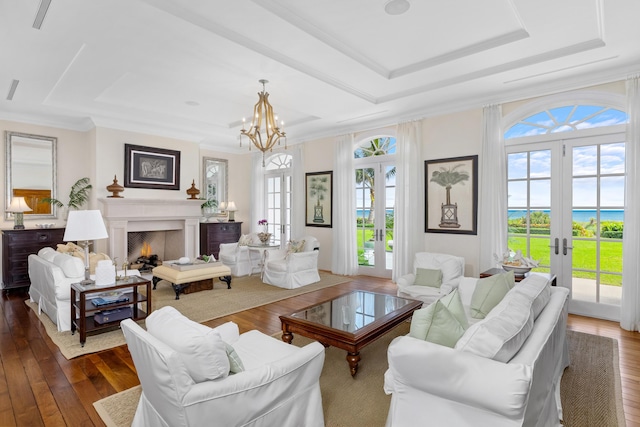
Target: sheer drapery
column 630, row 305
column 258, row 209
column 408, row 237
column 297, row 191
column 492, row 201
column 344, row 251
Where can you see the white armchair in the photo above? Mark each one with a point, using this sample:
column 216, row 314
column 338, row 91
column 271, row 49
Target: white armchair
column 293, row 270
column 279, row 385
column 237, row 257
column 452, row 268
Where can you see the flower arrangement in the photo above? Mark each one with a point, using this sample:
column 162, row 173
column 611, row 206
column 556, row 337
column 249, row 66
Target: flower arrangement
column 264, row 235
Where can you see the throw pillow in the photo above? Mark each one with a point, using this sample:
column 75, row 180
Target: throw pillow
column 500, row 336
column 428, row 277
column 244, row 240
column 200, row 347
column 436, row 324
column 295, row 246
column 70, row 266
column 536, row 288
column 453, row 302
column 489, row 292
column 235, row 364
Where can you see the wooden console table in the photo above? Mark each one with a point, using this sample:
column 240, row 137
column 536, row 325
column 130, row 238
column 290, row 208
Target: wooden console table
column 83, row 311
column 490, row 272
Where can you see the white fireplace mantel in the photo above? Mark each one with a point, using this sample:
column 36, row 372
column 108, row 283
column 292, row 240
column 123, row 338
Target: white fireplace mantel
column 123, row 215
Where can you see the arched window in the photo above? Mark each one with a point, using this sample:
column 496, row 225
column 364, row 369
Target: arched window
column 566, row 119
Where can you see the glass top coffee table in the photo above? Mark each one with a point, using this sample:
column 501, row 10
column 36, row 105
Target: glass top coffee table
column 349, row 322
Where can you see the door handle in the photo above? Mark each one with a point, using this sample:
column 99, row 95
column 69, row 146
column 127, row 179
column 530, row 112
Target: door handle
column 557, row 245
column 565, row 247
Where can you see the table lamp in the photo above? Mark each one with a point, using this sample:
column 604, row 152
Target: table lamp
column 231, row 207
column 17, row 207
column 83, row 226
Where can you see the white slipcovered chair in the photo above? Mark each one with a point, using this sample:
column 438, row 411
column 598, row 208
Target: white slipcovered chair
column 291, row 270
column 184, row 366
column 237, row 256
column 452, row 268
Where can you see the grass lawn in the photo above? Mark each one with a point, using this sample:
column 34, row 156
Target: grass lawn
column 584, row 256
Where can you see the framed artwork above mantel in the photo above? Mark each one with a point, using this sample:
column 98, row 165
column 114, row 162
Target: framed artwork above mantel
column 150, row 167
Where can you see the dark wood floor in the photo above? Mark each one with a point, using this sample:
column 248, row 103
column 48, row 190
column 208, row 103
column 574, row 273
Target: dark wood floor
column 38, row 386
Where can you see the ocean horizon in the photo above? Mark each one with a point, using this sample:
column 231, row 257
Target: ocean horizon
column 579, row 215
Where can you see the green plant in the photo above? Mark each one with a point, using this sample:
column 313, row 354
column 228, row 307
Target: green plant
column 209, row 203
column 78, row 196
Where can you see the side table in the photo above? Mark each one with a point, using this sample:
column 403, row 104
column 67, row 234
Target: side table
column 492, row 271
column 262, row 250
column 83, row 310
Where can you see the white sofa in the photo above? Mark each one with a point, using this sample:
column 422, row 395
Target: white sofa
column 190, row 376
column 457, row 387
column 51, row 274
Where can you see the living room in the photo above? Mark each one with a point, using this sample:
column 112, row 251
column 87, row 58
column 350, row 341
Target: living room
column 92, row 133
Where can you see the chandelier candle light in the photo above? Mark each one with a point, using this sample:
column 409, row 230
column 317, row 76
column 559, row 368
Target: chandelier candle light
column 263, row 131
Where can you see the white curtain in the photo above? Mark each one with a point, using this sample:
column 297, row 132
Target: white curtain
column 492, row 200
column 258, row 210
column 297, row 192
column 344, row 251
column 630, row 306
column 408, row 228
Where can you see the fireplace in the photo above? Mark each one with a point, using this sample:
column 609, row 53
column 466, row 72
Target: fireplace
column 171, row 225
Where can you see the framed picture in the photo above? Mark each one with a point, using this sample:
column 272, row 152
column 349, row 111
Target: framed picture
column 319, row 194
column 451, row 195
column 149, row 167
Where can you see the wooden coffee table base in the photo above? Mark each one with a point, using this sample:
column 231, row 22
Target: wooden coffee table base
column 352, row 342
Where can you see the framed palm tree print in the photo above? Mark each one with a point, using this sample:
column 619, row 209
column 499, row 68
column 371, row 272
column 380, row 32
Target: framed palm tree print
column 319, row 192
column 451, row 195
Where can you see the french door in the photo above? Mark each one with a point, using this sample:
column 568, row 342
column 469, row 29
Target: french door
column 566, row 204
column 375, row 201
column 278, row 205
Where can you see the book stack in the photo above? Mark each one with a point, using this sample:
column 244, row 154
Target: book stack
column 107, row 299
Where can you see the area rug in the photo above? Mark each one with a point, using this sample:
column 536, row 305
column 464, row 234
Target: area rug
column 245, row 293
column 594, row 366
column 590, row 390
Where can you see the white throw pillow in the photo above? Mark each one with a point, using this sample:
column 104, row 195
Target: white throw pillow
column 501, row 334
column 537, row 288
column 202, row 349
column 244, row 240
column 436, row 324
column 47, row 250
column 71, row 266
column 451, row 269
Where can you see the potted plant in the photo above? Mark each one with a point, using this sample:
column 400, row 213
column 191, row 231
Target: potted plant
column 208, row 207
column 78, row 196
column 264, row 236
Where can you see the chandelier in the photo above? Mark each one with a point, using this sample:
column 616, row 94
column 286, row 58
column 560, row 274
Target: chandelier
column 263, row 131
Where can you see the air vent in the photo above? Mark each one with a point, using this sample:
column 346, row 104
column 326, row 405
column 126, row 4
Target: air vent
column 12, row 89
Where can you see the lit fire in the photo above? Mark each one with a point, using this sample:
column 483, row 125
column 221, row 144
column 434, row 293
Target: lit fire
column 146, row 250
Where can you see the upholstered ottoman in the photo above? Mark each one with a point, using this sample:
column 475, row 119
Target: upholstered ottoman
column 200, row 276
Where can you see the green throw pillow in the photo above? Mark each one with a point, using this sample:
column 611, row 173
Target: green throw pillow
column 235, row 364
column 428, row 277
column 453, row 302
column 436, row 324
column 489, row 292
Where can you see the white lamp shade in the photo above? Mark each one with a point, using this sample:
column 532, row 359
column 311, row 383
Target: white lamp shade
column 18, row 204
column 85, row 225
column 232, row 207
column 222, row 206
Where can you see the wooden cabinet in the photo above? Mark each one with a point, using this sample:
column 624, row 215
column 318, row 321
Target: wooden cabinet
column 16, row 247
column 214, row 233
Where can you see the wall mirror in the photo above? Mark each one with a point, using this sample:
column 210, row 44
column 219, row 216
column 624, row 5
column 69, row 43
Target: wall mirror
column 31, row 172
column 214, row 179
